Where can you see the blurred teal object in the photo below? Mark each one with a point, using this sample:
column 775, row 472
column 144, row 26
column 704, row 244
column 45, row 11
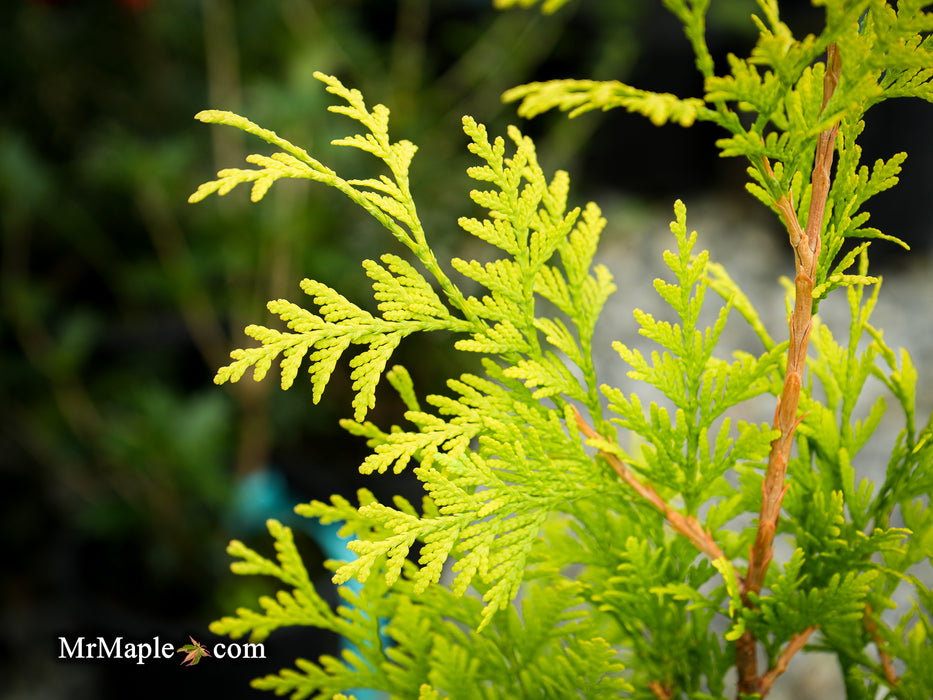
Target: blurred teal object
column 264, row 494
column 260, row 495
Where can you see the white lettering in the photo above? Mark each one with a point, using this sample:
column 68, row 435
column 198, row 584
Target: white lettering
column 159, row 650
column 66, row 652
column 102, row 648
column 107, row 653
column 250, row 651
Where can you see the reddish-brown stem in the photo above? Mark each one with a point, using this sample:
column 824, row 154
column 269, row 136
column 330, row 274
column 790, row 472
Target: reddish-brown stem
column 887, row 664
column 806, row 245
column 686, row 525
column 746, row 663
column 797, row 642
column 661, row 692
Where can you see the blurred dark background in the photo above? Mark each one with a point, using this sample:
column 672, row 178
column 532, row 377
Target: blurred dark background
column 124, row 470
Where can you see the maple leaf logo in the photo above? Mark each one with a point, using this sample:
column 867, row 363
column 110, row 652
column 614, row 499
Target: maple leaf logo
column 196, row 652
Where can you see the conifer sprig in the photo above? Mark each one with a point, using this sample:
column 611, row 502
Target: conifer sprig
column 579, row 96
column 680, row 453
column 528, row 220
column 487, row 503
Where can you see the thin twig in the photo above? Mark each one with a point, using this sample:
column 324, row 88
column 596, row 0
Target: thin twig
column 806, row 245
column 887, row 664
column 686, row 525
column 746, row 663
column 797, row 642
column 660, row 691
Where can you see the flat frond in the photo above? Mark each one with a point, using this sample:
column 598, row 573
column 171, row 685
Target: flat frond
column 302, row 606
column 579, row 96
